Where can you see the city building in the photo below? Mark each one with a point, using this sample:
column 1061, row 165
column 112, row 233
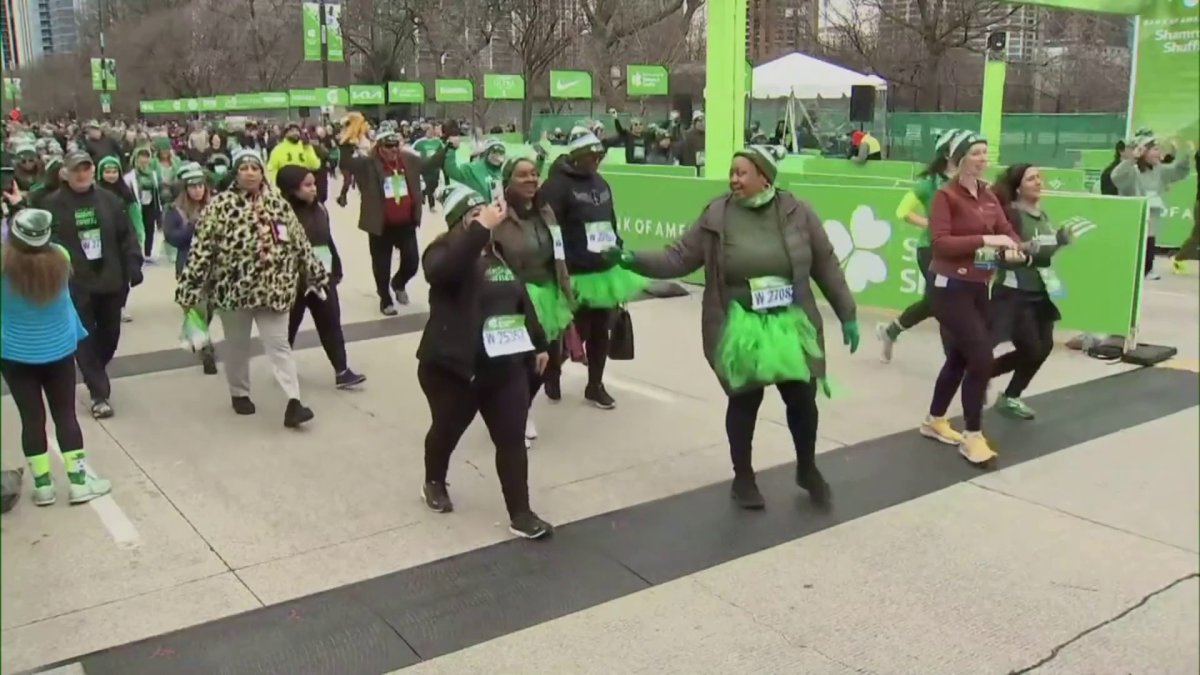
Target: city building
column 59, row 24
column 778, row 27
column 22, row 41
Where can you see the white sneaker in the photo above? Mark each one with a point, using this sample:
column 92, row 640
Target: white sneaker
column 530, row 429
column 1153, row 275
column 126, row 317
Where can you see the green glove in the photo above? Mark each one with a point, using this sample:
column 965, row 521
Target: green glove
column 850, row 335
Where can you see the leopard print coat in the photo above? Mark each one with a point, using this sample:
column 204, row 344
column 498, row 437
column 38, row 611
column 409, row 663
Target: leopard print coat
column 248, row 253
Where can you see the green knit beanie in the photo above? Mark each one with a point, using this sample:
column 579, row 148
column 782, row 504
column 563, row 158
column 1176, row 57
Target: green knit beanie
column 107, row 162
column 457, row 199
column 510, row 166
column 763, row 158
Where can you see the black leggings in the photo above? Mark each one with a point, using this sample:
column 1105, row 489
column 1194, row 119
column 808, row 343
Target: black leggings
column 1150, row 243
column 961, row 308
column 1033, row 340
column 327, row 315
column 149, row 221
column 499, row 394
column 100, row 314
column 552, row 372
column 800, row 398
column 921, row 309
column 595, row 329
column 28, row 383
column 404, row 238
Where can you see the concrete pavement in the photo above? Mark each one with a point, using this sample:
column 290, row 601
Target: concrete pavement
column 1080, row 560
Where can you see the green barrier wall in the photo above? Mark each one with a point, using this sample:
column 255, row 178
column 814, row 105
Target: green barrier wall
column 1176, row 225
column 648, row 169
column 881, row 168
column 1100, row 271
column 843, row 179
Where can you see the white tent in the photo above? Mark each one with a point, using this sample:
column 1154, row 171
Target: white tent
column 807, row 77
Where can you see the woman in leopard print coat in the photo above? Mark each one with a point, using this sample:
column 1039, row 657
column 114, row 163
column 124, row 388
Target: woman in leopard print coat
column 249, row 255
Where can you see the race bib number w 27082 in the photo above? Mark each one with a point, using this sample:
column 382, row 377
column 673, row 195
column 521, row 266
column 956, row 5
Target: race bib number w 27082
column 771, row 292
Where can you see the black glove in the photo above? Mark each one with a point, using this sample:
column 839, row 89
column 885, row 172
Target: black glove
column 341, row 200
column 135, row 277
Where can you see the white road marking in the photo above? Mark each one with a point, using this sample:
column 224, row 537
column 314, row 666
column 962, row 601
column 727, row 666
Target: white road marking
column 119, row 527
column 645, row 390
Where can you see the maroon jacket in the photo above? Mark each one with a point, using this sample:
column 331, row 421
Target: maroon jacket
column 958, row 223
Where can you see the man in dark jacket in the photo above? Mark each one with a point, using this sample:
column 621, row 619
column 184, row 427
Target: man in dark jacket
column 98, row 144
column 94, row 227
column 389, row 182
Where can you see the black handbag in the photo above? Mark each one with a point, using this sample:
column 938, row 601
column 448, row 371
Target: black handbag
column 620, row 345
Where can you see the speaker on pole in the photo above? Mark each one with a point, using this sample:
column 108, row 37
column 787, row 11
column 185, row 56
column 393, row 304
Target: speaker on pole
column 862, row 103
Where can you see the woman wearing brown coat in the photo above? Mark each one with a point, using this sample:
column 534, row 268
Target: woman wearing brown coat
column 531, row 241
column 759, row 248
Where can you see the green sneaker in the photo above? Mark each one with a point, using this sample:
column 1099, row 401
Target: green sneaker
column 84, row 492
column 44, row 495
column 1014, row 407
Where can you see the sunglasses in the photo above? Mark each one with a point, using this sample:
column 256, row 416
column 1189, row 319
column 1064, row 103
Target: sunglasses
column 391, row 144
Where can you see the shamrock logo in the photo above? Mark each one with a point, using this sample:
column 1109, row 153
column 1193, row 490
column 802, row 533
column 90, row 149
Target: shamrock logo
column 855, row 247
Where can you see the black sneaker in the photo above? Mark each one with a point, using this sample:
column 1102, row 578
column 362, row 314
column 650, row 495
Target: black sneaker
column 402, row 297
column 528, row 526
column 745, row 493
column 598, row 396
column 296, row 414
column 101, row 409
column 554, row 389
column 209, row 362
column 387, row 308
column 348, row 378
column 810, row 479
column 242, row 405
column 436, row 497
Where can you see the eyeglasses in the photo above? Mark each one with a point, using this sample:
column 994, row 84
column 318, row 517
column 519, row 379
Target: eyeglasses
column 391, row 144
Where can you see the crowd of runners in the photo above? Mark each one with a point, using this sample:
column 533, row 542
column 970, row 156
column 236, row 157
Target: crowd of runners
column 523, row 265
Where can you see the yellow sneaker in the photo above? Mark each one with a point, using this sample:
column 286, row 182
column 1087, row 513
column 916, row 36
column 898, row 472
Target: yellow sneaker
column 1179, row 266
column 939, row 429
column 975, row 449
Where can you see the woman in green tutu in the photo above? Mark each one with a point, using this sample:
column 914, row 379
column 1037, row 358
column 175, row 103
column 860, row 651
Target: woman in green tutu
column 759, row 248
column 531, row 242
column 582, row 203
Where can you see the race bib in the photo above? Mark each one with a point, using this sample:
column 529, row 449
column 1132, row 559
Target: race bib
column 325, row 255
column 771, row 292
column 92, row 246
column 600, row 237
column 639, row 152
column 146, row 197
column 560, row 252
column 1054, row 285
column 505, row 335
column 395, row 187
column 985, row 258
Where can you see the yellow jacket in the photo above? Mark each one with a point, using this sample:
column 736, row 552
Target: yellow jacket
column 291, row 153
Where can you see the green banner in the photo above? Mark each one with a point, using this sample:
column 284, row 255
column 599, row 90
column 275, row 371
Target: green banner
column 499, row 87
column 405, row 92
column 1106, row 6
column 453, row 91
column 305, row 98
column 104, row 74
column 367, row 94
column 12, row 88
column 1165, row 99
column 647, row 80
column 311, row 24
column 877, row 251
column 575, row 84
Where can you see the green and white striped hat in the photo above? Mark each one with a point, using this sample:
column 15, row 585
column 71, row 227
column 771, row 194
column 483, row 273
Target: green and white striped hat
column 942, row 146
column 582, row 141
column 32, row 226
column 246, row 155
column 191, row 173
column 963, row 142
column 764, row 157
column 457, row 199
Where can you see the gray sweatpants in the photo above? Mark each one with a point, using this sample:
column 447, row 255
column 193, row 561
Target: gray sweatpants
column 235, row 350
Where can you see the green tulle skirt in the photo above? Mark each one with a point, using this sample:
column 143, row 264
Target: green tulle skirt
column 608, row 289
column 552, row 308
column 762, row 348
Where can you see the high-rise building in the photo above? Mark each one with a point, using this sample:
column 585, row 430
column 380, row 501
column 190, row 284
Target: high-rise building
column 59, row 23
column 22, row 42
column 778, row 27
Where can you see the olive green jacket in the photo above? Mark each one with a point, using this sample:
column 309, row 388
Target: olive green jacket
column 812, row 256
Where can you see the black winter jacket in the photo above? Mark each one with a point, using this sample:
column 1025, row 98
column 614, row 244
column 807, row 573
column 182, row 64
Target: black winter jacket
column 578, row 198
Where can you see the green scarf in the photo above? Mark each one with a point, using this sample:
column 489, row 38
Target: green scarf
column 759, row 200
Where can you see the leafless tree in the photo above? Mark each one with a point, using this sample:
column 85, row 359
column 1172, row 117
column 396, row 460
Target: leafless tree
column 657, row 29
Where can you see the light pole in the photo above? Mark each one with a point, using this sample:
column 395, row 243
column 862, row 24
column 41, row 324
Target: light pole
column 324, row 59
column 104, row 109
